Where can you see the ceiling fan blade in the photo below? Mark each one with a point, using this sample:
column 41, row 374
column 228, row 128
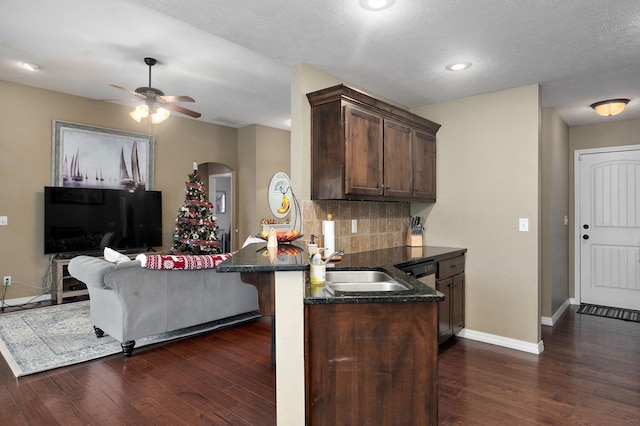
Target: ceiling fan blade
column 178, row 98
column 136, row 94
column 183, row 110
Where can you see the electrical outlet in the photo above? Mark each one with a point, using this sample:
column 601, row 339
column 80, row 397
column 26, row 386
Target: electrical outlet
column 354, row 226
column 7, row 280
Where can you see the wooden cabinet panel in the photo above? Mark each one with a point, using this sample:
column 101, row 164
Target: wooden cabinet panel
column 424, row 166
column 450, row 267
column 371, row 364
column 363, row 152
column 398, row 156
column 445, row 328
column 451, row 282
column 457, row 303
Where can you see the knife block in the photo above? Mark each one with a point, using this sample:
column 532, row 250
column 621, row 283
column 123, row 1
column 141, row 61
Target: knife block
column 413, row 240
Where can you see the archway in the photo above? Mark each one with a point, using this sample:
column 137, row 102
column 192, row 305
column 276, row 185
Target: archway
column 218, row 178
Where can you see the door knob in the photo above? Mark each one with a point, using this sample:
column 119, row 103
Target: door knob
column 585, row 237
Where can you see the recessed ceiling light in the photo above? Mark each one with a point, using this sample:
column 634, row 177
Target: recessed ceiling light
column 458, row 66
column 376, row 4
column 31, row 67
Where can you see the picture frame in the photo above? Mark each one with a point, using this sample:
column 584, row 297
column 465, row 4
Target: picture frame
column 98, row 157
column 221, row 202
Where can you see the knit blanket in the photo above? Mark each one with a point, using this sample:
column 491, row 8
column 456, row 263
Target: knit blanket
column 181, row 261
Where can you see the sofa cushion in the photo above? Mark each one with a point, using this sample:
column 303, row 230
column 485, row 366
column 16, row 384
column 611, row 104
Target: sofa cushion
column 111, row 255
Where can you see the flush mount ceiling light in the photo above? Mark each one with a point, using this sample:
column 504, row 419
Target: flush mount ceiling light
column 610, row 107
column 376, row 4
column 458, row 66
column 30, row 67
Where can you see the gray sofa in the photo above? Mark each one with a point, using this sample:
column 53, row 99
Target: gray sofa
column 129, row 302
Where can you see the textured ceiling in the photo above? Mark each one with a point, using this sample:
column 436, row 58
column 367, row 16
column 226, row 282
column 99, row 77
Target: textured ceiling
column 234, row 57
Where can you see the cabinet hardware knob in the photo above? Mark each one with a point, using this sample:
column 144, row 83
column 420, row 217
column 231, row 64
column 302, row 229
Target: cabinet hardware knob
column 585, row 237
column 585, row 226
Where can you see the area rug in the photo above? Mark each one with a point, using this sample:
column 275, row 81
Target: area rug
column 605, row 311
column 42, row 339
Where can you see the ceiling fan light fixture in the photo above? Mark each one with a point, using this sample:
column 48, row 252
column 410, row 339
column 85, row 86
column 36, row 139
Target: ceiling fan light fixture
column 160, row 115
column 610, row 107
column 140, row 112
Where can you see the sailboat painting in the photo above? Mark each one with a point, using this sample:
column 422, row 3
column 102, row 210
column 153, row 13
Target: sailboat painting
column 95, row 157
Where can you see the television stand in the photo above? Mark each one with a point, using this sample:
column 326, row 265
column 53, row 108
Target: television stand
column 64, row 285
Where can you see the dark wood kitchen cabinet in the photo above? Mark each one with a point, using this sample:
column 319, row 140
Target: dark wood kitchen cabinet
column 450, row 282
column 424, row 166
column 371, row 364
column 365, row 149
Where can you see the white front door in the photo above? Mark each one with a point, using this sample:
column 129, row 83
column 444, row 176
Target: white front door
column 609, row 221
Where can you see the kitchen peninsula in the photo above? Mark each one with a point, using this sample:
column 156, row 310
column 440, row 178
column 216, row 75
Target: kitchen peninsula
column 311, row 331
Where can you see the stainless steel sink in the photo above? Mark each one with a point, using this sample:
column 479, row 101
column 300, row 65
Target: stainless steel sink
column 362, row 281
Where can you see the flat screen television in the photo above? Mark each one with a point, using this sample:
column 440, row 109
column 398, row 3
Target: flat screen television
column 86, row 220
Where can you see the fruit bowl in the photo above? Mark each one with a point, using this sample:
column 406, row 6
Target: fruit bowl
column 282, row 236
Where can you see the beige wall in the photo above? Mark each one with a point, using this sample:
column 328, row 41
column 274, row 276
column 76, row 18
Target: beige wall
column 246, row 181
column 488, row 178
column 273, row 154
column 618, row 133
column 555, row 207
column 263, row 151
column 25, row 158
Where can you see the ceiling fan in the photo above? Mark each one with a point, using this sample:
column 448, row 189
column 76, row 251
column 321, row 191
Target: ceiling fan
column 156, row 103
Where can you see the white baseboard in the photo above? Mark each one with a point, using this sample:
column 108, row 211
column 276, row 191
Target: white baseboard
column 506, row 342
column 574, row 301
column 23, row 300
column 554, row 318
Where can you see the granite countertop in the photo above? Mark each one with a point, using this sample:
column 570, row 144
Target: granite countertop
column 291, row 257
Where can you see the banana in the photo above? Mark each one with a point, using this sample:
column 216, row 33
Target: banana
column 284, row 206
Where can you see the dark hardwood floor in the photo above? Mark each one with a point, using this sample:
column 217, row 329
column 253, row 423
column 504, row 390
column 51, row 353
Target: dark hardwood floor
column 589, row 374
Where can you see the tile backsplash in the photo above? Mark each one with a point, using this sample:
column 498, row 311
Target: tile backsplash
column 380, row 225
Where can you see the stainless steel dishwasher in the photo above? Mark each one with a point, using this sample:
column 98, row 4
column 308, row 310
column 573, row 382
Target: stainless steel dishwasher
column 424, row 272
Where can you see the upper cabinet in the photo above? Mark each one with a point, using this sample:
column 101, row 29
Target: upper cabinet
column 366, row 149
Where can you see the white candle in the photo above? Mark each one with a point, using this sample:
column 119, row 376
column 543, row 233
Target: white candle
column 195, row 166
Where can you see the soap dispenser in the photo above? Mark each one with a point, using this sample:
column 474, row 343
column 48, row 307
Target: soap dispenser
column 317, row 271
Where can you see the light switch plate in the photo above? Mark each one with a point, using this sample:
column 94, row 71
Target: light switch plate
column 4, row 220
column 523, row 224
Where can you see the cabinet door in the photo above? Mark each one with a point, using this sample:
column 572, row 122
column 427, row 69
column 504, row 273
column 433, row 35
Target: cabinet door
column 363, row 152
column 424, row 166
column 398, row 164
column 457, row 303
column 445, row 328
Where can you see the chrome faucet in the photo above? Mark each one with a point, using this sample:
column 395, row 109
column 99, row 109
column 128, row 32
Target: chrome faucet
column 332, row 255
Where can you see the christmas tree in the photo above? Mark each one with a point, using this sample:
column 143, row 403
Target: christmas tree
column 196, row 228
